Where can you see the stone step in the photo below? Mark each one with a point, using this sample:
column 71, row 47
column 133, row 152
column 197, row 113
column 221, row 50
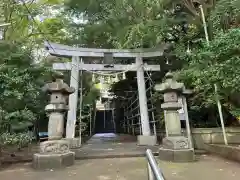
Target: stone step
column 109, row 154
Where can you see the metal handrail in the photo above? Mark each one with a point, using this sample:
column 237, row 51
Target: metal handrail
column 154, row 172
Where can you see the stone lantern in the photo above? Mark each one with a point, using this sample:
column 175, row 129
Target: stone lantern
column 175, row 147
column 55, row 152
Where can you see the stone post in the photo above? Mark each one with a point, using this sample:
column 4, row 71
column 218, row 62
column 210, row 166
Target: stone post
column 175, row 147
column 55, row 153
column 185, row 93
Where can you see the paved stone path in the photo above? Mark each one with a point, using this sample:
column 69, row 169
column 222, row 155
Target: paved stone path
column 110, row 145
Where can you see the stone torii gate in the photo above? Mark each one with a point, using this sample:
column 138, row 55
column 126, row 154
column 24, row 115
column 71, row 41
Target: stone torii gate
column 76, row 65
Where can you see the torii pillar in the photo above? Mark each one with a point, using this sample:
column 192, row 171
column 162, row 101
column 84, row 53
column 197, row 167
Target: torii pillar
column 146, row 138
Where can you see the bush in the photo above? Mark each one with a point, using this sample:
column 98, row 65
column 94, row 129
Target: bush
column 19, row 139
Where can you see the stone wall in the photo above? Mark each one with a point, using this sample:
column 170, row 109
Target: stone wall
column 203, row 136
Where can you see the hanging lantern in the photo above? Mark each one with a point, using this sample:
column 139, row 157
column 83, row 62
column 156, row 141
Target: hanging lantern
column 116, row 78
column 105, row 79
column 101, row 80
column 167, row 62
column 188, row 49
column 109, row 80
column 93, row 78
column 124, row 76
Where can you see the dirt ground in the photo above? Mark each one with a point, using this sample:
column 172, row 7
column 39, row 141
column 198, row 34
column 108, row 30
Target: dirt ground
column 13, row 155
column 206, row 168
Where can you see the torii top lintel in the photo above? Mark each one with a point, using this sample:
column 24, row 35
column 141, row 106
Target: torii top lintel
column 64, row 50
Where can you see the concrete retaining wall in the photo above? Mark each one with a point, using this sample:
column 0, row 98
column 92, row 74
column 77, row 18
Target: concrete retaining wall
column 202, row 136
column 229, row 152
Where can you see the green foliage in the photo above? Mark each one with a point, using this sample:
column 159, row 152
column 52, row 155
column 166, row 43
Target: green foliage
column 120, row 23
column 216, row 63
column 226, row 14
column 132, row 23
column 20, row 91
column 32, row 22
column 19, row 139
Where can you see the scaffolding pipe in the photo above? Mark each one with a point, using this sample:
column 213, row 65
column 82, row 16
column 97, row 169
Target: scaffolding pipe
column 153, row 116
column 140, row 126
column 113, row 118
column 90, row 111
column 81, row 104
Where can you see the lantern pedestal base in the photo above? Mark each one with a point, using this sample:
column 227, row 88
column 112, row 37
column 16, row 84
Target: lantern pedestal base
column 147, row 140
column 74, row 143
column 53, row 161
column 174, row 155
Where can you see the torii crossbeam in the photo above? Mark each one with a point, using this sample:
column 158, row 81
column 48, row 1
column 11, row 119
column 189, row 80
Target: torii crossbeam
column 75, row 66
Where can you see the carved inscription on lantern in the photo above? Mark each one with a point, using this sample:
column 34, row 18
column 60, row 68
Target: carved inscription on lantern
column 170, row 97
column 182, row 144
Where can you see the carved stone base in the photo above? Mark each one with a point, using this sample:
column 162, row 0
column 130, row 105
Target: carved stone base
column 53, row 161
column 54, row 147
column 53, row 154
column 74, row 143
column 175, row 142
column 181, row 155
column 147, row 140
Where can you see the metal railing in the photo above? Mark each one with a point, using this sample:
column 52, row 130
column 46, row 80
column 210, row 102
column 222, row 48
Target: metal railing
column 154, row 172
